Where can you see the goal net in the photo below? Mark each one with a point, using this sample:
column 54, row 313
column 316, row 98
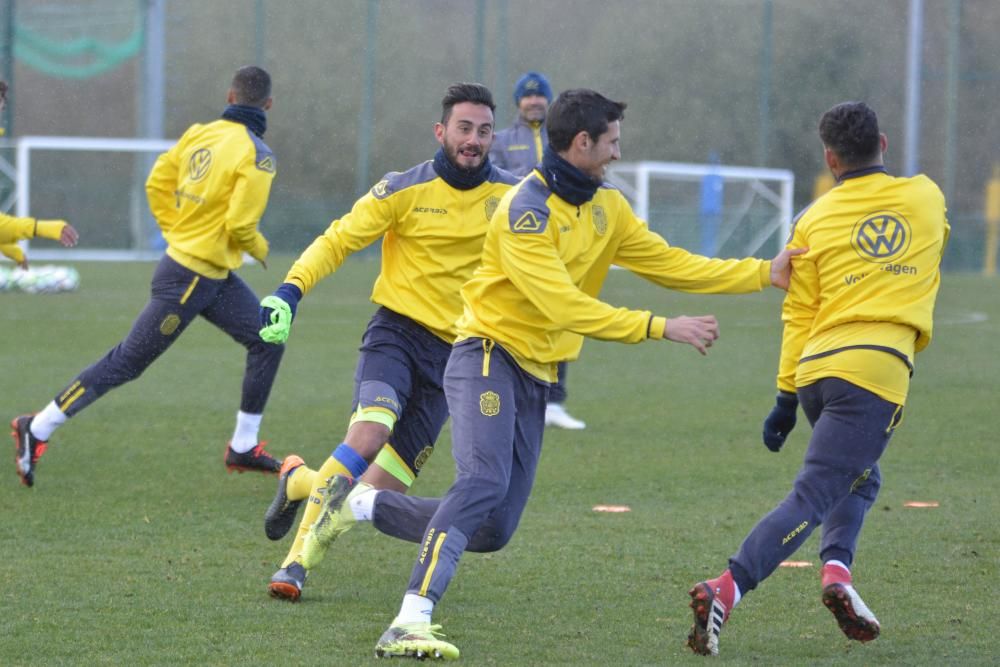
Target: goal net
column 95, row 183
column 713, row 210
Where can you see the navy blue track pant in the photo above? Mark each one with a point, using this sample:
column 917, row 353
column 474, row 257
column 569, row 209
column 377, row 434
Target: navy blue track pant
column 836, row 486
column 177, row 296
column 498, row 418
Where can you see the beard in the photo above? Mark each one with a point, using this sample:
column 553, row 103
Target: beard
column 534, row 114
column 462, row 162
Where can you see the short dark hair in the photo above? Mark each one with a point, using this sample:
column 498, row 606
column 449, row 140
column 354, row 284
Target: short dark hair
column 252, row 86
column 580, row 110
column 457, row 93
column 850, row 130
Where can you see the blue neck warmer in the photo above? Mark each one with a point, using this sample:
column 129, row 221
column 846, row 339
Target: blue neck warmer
column 864, row 171
column 568, row 182
column 254, row 118
column 460, row 179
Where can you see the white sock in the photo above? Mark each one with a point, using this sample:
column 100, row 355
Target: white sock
column 47, row 421
column 838, row 564
column 736, row 595
column 415, row 609
column 363, row 505
column 245, row 435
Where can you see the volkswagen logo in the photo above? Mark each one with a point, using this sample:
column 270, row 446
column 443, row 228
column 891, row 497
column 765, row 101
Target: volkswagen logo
column 881, row 237
column 199, row 164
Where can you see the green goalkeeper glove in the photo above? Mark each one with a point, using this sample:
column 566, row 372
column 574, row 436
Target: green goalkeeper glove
column 277, row 312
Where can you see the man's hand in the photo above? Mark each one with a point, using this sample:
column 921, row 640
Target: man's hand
column 698, row 331
column 15, row 253
column 781, row 266
column 277, row 312
column 68, row 236
column 781, row 421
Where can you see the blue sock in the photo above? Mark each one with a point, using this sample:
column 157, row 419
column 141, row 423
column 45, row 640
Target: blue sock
column 350, row 459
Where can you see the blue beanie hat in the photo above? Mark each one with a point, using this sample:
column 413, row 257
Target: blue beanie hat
column 532, row 83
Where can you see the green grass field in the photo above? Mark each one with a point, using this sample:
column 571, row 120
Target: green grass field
column 136, row 547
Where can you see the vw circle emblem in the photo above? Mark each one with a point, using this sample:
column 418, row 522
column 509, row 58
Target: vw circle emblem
column 881, row 237
column 199, row 164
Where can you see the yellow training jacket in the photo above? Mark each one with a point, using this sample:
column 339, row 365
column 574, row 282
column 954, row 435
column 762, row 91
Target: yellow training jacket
column 544, row 263
column 861, row 301
column 432, row 239
column 16, row 229
column 208, row 194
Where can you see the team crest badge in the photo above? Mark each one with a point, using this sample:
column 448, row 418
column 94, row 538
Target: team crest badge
column 491, row 206
column 489, row 403
column 422, row 457
column 169, row 324
column 528, row 224
column 381, row 189
column 199, row 164
column 600, row 220
column 881, row 237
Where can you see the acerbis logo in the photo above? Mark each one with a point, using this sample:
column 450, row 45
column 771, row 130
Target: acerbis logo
column 792, row 535
column 528, row 224
column 381, row 189
column 199, row 164
column 881, row 237
column 266, row 164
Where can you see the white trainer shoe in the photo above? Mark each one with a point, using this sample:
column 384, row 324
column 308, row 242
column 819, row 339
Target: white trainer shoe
column 556, row 415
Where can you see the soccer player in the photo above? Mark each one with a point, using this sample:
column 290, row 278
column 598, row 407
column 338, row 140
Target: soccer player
column 208, row 193
column 518, row 149
column 858, row 309
column 528, row 306
column 16, row 229
column 432, row 220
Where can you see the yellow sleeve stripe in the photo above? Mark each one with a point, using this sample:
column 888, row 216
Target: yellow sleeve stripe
column 425, row 584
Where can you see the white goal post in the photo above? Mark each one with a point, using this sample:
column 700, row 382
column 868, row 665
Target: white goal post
column 756, row 206
column 139, row 247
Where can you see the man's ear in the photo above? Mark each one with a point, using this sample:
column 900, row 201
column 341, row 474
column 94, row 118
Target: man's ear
column 831, row 159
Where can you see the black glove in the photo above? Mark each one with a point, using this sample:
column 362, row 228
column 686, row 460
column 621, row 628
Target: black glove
column 781, row 421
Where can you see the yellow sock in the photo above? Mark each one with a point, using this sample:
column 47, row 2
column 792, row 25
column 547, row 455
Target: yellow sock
column 320, row 478
column 300, row 484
